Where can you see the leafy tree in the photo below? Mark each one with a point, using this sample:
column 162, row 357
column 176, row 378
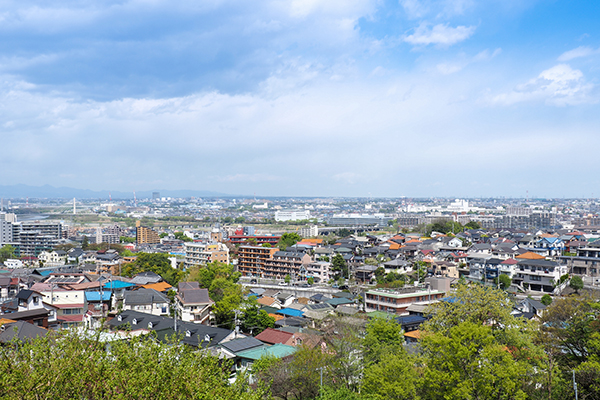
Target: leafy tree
column 240, row 220
column 6, row 252
column 69, row 364
column 85, row 243
column 127, row 239
column 267, row 245
column 505, row 281
column 393, row 377
column 339, row 266
column 467, row 362
column 344, row 232
column 255, row 321
column 380, row 272
column 288, row 239
column 310, row 280
column 158, row 263
column 221, row 281
column 287, row 279
column 183, row 237
column 382, row 336
column 472, row 225
column 576, row 283
column 546, row 300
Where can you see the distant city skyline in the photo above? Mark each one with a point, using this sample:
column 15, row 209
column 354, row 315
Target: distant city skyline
column 354, row 98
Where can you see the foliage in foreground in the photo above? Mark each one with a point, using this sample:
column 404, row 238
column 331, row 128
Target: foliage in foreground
column 65, row 365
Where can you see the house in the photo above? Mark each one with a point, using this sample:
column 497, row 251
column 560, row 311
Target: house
column 21, row 330
column 146, row 300
column 192, row 334
column 193, row 303
column 273, row 336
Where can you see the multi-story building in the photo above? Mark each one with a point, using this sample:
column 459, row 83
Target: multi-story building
column 251, row 259
column 397, row 301
column 539, row 275
column 284, row 263
column 144, row 235
column 204, row 253
column 309, row 231
column 260, row 239
column 193, row 303
column 6, row 232
column 32, row 237
column 586, row 261
column 292, row 215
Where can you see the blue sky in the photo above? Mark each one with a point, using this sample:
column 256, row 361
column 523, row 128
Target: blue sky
column 303, row 97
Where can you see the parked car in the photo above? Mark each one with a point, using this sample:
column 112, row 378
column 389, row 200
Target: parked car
column 283, row 283
column 253, row 280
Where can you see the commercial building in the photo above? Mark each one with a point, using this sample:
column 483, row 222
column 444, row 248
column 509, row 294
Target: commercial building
column 292, row 215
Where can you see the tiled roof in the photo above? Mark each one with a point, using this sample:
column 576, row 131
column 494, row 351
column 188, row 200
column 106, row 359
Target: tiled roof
column 278, row 351
column 273, row 336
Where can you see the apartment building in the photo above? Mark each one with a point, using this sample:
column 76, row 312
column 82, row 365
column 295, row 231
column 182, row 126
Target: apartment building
column 283, row 263
column 251, row 259
column 396, row 301
column 204, row 253
column 539, row 275
column 145, row 235
column 30, row 238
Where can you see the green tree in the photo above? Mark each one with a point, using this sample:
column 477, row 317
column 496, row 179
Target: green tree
column 158, row 263
column 181, row 236
column 127, row 239
column 395, row 377
column 310, row 280
column 382, row 336
column 576, row 283
column 6, row 252
column 505, row 281
column 339, row 266
column 240, row 220
column 287, row 279
column 344, row 232
column 467, row 362
column 472, row 225
column 255, row 321
column 85, row 243
column 288, row 239
column 71, row 364
column 546, row 300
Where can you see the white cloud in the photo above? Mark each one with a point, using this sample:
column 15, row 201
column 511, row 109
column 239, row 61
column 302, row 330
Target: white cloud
column 451, row 67
column 581, row 51
column 560, row 85
column 440, row 34
column 415, row 9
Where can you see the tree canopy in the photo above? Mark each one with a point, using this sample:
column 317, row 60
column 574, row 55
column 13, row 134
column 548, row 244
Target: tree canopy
column 158, row 263
column 288, row 239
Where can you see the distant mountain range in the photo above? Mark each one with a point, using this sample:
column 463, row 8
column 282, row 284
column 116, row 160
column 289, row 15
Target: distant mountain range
column 47, row 191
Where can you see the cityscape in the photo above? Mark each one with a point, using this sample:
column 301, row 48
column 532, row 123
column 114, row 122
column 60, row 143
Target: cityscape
column 300, row 200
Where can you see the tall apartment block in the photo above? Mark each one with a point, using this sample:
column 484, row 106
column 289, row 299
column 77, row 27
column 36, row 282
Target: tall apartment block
column 252, row 259
column 144, row 235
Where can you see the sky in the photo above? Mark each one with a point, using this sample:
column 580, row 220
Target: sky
column 378, row 98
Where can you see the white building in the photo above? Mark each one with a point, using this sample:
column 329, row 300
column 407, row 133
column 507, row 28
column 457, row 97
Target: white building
column 309, row 231
column 292, row 215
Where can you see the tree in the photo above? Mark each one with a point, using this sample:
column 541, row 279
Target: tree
column 382, row 336
column 472, row 225
column 254, row 321
column 344, row 232
column 474, row 347
column 505, row 281
column 158, row 263
column 127, row 239
column 221, row 281
column 71, row 364
column 393, row 377
column 310, row 280
column 339, row 266
column 467, row 362
column 6, row 252
column 181, row 236
column 85, row 243
column 546, row 300
column 287, row 279
column 576, row 283
column 288, row 240
column 240, row 220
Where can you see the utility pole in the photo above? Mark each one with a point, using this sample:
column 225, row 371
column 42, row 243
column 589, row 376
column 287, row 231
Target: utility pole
column 574, row 385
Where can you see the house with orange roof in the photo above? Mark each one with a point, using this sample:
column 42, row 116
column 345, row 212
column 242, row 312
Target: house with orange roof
column 162, row 287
